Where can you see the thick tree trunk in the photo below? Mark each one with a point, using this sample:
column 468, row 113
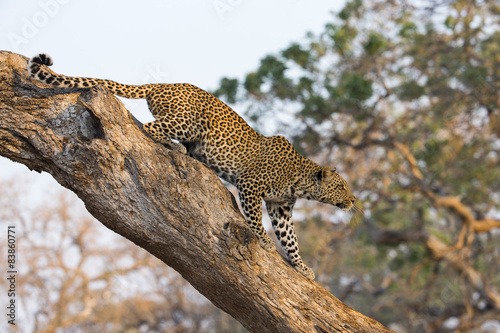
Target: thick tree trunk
column 167, row 203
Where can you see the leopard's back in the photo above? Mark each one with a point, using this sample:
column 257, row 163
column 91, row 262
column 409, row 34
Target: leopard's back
column 222, row 140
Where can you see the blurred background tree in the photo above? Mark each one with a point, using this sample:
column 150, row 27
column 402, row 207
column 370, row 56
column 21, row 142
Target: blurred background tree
column 403, row 97
column 75, row 275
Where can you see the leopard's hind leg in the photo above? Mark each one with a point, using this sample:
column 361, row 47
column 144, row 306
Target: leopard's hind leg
column 180, row 127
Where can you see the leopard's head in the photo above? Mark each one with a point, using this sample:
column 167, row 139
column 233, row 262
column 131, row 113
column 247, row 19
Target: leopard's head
column 333, row 189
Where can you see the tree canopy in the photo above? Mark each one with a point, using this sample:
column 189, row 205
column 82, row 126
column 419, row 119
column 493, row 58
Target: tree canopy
column 403, row 98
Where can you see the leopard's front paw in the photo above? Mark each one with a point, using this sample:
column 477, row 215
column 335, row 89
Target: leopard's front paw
column 267, row 244
column 178, row 147
column 306, row 271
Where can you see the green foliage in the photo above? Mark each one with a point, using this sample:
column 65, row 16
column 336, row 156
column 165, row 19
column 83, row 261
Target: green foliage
column 295, row 53
column 354, row 88
column 409, row 91
column 228, row 88
column 451, row 22
column 342, row 36
column 271, row 72
column 374, row 44
column 252, row 83
column 351, row 7
column 272, row 68
column 408, row 30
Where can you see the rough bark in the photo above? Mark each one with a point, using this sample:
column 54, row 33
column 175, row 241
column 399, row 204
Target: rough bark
column 167, row 203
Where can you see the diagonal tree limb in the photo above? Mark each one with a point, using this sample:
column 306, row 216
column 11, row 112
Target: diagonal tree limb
column 167, row 203
column 457, row 254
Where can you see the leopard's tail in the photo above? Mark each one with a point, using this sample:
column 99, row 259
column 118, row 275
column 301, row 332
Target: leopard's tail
column 38, row 69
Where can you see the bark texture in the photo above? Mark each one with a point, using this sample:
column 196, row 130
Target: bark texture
column 167, row 203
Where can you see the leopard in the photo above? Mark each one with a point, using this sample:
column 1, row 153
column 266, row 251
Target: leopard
column 261, row 168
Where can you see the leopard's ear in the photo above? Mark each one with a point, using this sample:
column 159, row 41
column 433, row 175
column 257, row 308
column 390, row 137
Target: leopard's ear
column 325, row 174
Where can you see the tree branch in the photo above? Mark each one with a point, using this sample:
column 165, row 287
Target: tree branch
column 167, row 203
column 441, row 251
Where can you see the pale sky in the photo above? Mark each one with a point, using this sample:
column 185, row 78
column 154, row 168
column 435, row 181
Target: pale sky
column 196, row 41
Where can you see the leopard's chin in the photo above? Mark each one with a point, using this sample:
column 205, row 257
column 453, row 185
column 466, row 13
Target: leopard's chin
column 345, row 207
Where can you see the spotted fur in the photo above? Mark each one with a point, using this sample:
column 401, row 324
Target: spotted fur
column 262, row 168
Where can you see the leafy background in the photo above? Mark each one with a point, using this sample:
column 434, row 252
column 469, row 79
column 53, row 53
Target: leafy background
column 403, row 98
